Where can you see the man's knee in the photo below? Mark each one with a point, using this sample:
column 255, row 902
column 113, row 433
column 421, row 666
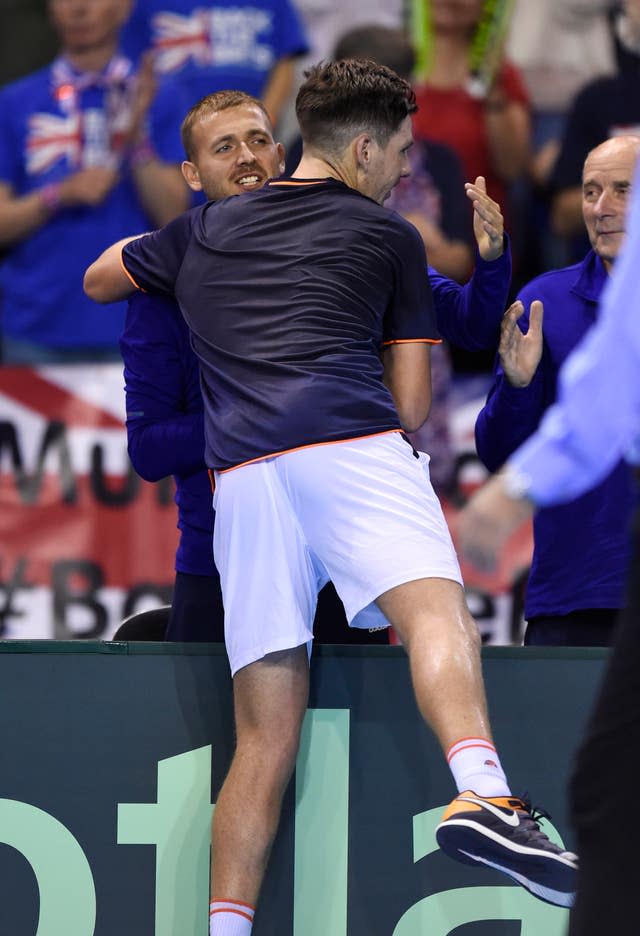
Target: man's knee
column 430, row 608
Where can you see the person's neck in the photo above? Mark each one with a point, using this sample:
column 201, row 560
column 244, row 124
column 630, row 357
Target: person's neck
column 450, row 60
column 315, row 167
column 91, row 60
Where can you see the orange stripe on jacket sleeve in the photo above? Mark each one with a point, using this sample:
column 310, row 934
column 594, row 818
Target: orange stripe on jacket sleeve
column 129, row 276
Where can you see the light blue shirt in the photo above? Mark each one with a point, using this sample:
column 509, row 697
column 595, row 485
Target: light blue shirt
column 596, row 419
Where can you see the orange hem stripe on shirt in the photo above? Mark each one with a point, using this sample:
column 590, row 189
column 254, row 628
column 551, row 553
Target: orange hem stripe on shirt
column 412, row 341
column 299, row 448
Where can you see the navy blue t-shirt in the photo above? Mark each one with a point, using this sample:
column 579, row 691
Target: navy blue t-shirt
column 290, row 294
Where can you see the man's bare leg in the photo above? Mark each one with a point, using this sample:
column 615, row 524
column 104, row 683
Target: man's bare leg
column 492, row 828
column 270, row 699
column 442, row 641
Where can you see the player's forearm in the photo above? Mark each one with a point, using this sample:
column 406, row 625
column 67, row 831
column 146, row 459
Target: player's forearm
column 407, row 376
column 105, row 280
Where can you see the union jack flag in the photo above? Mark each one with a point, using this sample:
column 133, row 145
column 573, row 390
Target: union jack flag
column 180, row 38
column 52, row 138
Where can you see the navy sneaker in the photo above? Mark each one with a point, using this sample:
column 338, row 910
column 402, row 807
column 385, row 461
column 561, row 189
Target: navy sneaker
column 504, row 833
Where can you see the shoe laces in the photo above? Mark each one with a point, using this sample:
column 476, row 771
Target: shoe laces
column 534, row 813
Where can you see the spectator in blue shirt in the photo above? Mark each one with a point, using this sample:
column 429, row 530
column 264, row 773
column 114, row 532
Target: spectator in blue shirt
column 581, row 549
column 594, row 423
column 86, row 156
column 210, row 46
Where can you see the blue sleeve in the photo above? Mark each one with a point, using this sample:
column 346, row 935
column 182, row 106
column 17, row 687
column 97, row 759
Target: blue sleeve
column 289, row 39
column 508, row 418
column 469, row 316
column 165, row 412
column 596, row 419
column 411, row 317
column 154, row 260
column 512, row 414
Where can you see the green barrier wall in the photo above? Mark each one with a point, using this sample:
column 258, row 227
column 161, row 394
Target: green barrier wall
column 113, row 755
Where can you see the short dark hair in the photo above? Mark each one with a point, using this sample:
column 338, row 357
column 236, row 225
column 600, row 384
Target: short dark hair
column 382, row 44
column 211, row 104
column 338, row 100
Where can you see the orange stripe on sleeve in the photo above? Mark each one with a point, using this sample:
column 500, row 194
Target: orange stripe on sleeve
column 129, row 276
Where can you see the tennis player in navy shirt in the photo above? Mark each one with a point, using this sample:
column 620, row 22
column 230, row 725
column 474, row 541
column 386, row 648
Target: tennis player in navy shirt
column 312, row 319
column 230, row 149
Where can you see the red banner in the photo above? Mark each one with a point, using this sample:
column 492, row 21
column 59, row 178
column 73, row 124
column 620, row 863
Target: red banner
column 83, row 540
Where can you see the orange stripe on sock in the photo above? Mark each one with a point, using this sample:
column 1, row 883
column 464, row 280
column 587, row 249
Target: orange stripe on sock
column 238, row 903
column 231, row 910
column 460, row 740
column 465, row 747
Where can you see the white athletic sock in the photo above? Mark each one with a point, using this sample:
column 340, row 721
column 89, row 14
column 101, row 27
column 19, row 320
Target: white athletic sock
column 475, row 765
column 230, row 918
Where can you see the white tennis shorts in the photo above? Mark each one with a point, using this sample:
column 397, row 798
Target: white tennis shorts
column 362, row 513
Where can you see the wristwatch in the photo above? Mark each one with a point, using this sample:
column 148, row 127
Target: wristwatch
column 516, row 484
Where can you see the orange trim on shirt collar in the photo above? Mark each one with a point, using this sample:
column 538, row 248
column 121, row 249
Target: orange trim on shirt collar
column 300, row 182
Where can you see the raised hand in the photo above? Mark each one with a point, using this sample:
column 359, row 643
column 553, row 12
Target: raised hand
column 488, row 223
column 520, row 354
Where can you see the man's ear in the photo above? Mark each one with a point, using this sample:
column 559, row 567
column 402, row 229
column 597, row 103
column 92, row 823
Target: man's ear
column 191, row 175
column 361, row 148
column 281, row 157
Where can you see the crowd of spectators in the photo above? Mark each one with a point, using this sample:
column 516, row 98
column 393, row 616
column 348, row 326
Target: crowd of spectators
column 517, row 97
